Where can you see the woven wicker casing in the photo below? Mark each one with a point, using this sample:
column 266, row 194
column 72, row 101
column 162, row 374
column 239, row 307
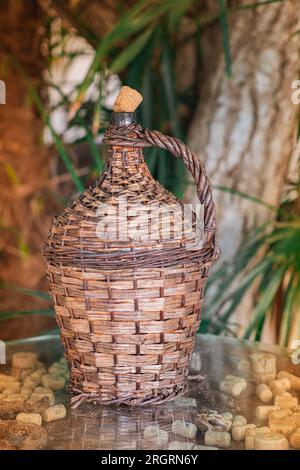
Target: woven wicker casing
column 128, row 310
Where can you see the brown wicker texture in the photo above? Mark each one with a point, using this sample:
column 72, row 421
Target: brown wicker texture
column 128, row 310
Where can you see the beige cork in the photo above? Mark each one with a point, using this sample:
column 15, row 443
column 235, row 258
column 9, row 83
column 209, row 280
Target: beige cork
column 127, row 100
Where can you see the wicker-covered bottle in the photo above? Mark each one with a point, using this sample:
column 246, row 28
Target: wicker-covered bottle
column 127, row 273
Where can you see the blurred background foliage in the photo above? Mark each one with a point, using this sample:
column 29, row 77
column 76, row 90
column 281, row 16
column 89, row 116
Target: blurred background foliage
column 140, row 43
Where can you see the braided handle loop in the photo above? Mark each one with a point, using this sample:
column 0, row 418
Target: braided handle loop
column 134, row 135
column 197, row 170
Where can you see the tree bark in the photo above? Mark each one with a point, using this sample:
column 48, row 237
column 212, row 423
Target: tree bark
column 23, row 159
column 244, row 127
column 92, row 19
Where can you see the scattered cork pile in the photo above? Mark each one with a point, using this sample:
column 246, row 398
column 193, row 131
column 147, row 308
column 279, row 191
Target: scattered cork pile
column 27, row 400
column 127, row 100
column 277, row 425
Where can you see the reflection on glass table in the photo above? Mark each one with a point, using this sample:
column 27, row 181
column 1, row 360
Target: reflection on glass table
column 99, row 427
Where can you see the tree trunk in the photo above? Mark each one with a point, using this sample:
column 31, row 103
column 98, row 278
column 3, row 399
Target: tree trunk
column 244, row 128
column 23, row 160
column 92, row 19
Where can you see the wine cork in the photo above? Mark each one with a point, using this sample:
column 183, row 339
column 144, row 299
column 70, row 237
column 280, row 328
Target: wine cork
column 127, row 100
column 24, row 360
column 54, row 413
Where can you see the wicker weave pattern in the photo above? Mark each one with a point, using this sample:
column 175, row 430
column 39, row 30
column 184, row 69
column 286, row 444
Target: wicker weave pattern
column 128, row 335
column 128, row 311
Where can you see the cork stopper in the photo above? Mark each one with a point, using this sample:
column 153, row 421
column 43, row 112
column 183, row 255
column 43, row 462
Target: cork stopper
column 127, row 100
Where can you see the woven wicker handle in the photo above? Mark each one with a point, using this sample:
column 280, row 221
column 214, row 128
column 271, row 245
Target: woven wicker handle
column 126, row 103
column 133, row 135
column 196, row 168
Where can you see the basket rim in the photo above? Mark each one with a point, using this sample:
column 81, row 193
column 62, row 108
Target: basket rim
column 142, row 258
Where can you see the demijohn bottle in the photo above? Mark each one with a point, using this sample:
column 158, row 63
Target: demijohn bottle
column 127, row 265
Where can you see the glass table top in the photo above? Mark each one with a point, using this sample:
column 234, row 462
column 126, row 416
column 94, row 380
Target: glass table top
column 110, row 427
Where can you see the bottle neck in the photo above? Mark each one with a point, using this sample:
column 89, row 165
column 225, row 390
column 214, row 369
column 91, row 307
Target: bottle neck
column 123, row 119
column 125, row 161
